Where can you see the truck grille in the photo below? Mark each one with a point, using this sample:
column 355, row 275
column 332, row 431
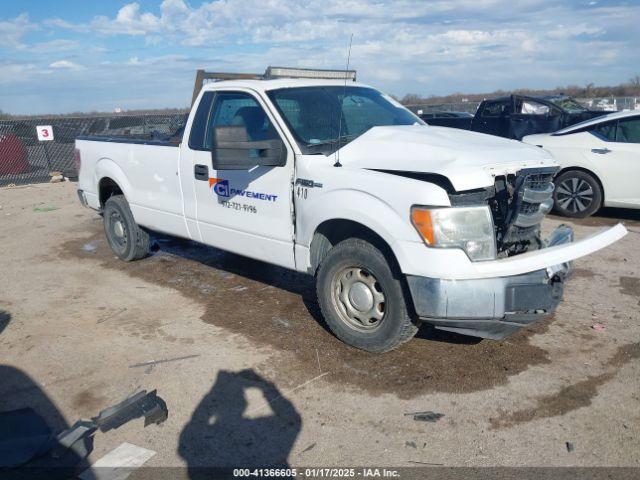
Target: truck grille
column 519, row 206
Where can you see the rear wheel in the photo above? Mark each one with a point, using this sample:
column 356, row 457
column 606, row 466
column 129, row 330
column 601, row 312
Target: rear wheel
column 126, row 239
column 577, row 194
column 362, row 297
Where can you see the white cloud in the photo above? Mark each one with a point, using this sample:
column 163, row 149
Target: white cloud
column 128, row 21
column 10, row 70
column 66, row 65
column 12, row 31
column 56, row 45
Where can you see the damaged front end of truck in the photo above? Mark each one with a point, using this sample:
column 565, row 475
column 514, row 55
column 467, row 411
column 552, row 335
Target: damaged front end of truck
column 497, row 307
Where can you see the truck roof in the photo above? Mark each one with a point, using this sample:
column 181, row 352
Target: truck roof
column 276, row 83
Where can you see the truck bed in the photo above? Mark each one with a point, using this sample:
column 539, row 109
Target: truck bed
column 146, row 170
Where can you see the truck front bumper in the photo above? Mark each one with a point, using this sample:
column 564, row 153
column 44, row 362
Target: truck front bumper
column 489, row 307
column 492, row 307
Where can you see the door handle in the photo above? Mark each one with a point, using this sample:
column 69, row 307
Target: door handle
column 601, row 151
column 201, row 172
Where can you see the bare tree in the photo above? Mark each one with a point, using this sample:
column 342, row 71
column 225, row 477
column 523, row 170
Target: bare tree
column 411, row 99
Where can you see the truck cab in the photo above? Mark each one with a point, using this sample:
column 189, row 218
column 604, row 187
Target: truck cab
column 399, row 222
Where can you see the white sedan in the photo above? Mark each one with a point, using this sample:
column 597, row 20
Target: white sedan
column 600, row 161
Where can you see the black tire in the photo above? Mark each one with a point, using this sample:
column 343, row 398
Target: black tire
column 127, row 240
column 577, row 194
column 379, row 277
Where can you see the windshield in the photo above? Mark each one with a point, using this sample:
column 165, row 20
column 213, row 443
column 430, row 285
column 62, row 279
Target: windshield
column 313, row 114
column 568, row 104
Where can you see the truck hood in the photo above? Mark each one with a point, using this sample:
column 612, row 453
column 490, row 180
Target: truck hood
column 468, row 159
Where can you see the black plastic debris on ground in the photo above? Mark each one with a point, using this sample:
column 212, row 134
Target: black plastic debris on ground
column 425, row 416
column 29, row 449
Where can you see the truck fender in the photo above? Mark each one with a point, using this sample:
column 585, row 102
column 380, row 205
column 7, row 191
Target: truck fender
column 346, row 204
column 107, row 168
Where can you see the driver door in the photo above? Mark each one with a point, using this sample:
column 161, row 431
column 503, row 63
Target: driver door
column 247, row 211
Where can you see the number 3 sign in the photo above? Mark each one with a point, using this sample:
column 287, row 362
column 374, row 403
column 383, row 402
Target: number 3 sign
column 45, row 133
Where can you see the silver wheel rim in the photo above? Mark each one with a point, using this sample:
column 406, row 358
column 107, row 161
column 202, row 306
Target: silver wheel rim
column 358, row 298
column 574, row 195
column 119, row 230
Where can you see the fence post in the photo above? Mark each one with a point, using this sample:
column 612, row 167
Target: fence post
column 46, row 156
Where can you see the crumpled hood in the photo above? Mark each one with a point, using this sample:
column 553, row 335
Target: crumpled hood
column 468, row 159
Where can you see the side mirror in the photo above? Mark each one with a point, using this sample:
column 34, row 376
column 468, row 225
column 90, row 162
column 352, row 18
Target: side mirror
column 233, row 151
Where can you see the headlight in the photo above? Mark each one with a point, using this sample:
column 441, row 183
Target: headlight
column 468, row 228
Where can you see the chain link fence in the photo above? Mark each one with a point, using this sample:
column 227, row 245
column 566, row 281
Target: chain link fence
column 611, row 104
column 26, row 157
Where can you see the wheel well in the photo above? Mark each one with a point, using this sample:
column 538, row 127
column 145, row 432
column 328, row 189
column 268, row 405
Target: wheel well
column 107, row 188
column 585, row 170
column 332, row 232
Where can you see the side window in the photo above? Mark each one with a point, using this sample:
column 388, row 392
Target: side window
column 605, row 131
column 239, row 109
column 628, row 130
column 199, row 126
column 494, row 109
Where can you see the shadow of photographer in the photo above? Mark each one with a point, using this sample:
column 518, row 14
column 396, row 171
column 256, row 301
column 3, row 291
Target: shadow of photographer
column 223, row 433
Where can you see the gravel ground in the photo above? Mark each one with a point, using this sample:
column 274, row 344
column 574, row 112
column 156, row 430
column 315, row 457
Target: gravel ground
column 252, row 375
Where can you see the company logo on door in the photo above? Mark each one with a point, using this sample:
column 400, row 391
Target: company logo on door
column 222, row 188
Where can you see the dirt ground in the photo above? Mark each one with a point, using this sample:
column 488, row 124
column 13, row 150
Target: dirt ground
column 250, row 374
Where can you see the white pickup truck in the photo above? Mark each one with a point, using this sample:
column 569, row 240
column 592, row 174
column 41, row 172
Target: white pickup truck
column 399, row 222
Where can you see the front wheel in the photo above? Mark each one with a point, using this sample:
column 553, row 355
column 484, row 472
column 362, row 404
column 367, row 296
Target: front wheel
column 362, row 297
column 577, row 194
column 126, row 239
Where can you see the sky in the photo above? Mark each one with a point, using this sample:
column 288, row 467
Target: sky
column 78, row 55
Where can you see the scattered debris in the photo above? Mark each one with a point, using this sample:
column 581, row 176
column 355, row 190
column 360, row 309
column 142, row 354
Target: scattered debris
column 56, row 179
column 318, row 357
column 239, row 288
column 270, row 401
column 118, row 463
column 27, row 441
column 425, row 416
column 598, row 327
column 90, row 247
column 142, row 404
column 570, row 447
column 281, row 321
column 153, row 363
column 410, row 444
column 310, row 447
column 115, row 314
column 48, row 208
